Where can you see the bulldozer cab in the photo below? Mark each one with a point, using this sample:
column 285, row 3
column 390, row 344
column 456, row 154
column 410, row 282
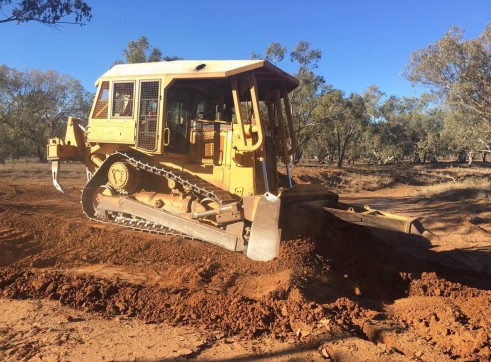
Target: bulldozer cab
column 213, row 115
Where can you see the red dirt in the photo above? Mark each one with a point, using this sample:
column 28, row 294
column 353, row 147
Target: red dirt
column 350, row 294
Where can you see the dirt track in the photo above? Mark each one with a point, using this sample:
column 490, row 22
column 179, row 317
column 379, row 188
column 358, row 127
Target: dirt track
column 348, row 295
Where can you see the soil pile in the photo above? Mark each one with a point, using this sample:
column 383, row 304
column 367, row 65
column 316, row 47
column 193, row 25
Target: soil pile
column 345, row 291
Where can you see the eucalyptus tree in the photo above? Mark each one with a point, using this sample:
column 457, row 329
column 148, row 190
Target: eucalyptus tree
column 349, row 126
column 34, row 106
column 275, row 52
column 141, row 51
column 431, row 144
column 465, row 133
column 456, row 71
column 305, row 98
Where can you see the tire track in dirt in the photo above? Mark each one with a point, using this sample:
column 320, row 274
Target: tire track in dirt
column 15, row 244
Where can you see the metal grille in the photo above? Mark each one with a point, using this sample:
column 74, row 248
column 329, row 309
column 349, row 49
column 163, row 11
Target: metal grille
column 148, row 115
column 208, row 145
column 271, row 168
column 100, row 109
column 123, row 94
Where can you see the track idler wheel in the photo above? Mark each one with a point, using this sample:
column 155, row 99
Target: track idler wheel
column 123, row 177
column 104, row 190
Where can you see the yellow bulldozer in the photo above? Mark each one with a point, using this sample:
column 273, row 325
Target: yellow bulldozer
column 192, row 148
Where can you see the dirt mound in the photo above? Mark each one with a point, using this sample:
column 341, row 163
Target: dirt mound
column 345, row 291
column 279, row 314
column 454, row 317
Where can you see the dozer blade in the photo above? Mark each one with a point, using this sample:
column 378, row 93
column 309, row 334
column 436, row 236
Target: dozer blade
column 264, row 241
column 375, row 218
column 307, row 193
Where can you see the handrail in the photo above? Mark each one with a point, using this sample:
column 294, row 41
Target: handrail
column 166, row 136
column 258, row 128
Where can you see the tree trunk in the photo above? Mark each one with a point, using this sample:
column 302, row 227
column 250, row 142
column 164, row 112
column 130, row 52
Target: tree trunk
column 297, row 156
column 342, row 154
column 341, row 158
column 41, row 155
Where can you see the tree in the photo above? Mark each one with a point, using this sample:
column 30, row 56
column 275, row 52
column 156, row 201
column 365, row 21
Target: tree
column 34, row 106
column 395, row 139
column 305, row 98
column 465, row 133
column 275, row 53
column 372, row 97
column 430, row 142
column 345, row 116
column 48, row 12
column 305, row 56
column 457, row 71
column 140, row 51
column 400, row 128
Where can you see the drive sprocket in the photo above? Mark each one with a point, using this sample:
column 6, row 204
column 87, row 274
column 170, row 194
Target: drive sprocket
column 123, row 177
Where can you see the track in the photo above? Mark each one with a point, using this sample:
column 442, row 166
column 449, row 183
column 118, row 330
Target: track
column 198, row 187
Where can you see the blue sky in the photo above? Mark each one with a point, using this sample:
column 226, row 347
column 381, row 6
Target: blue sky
column 362, row 42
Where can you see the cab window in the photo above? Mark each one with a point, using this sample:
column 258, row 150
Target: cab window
column 102, row 103
column 123, row 97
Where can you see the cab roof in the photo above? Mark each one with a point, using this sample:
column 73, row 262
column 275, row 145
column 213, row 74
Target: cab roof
column 189, row 69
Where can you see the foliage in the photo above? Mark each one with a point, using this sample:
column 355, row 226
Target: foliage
column 306, row 57
column 305, row 98
column 384, row 128
column 342, row 120
column 465, row 133
column 457, row 71
column 48, row 12
column 34, row 106
column 275, row 53
column 140, row 51
column 325, row 120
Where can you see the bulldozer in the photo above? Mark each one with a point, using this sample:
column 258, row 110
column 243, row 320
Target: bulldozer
column 193, row 148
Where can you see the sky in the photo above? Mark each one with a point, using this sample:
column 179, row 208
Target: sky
column 362, row 42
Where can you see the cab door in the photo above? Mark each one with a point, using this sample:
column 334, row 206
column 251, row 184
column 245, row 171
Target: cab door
column 148, row 114
column 177, row 131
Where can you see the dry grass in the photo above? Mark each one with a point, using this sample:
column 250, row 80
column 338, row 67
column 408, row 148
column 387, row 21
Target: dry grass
column 368, row 183
column 39, row 171
column 432, row 179
column 435, row 181
column 475, row 188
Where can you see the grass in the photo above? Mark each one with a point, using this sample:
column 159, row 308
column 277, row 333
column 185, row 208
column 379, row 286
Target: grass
column 435, row 181
column 472, row 188
column 440, row 177
column 29, row 168
column 370, row 183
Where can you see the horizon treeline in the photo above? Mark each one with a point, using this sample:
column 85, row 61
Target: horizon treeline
column 450, row 122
